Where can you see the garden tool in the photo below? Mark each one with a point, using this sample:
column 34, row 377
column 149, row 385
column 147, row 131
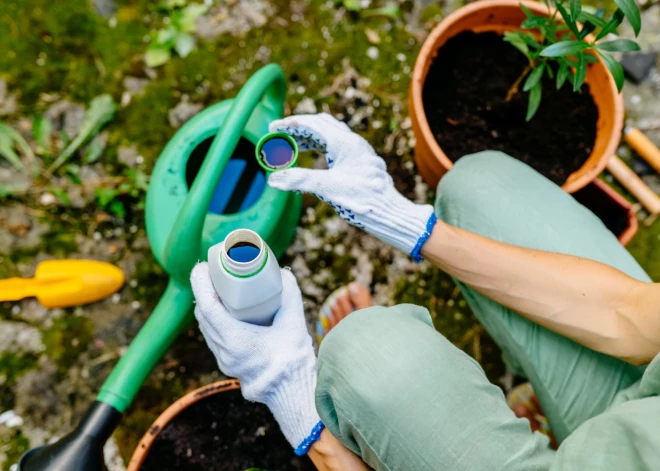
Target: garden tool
column 182, row 224
column 635, row 185
column 65, row 283
column 643, row 146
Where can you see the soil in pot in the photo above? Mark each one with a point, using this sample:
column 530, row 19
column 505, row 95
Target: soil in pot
column 223, row 432
column 465, row 103
column 612, row 214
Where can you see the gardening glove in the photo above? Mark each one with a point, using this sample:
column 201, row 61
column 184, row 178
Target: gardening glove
column 275, row 364
column 356, row 183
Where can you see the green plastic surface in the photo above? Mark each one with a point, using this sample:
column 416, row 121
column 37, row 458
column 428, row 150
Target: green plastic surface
column 180, row 228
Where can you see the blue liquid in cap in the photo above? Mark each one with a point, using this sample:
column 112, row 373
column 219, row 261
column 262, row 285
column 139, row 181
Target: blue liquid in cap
column 277, row 152
column 243, row 252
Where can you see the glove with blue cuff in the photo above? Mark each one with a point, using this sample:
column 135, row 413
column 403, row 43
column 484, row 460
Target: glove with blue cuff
column 275, row 364
column 356, row 183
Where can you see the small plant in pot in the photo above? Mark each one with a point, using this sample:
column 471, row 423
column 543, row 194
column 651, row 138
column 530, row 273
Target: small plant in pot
column 534, row 80
column 214, row 429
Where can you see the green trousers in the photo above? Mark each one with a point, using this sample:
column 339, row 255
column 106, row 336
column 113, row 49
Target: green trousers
column 398, row 394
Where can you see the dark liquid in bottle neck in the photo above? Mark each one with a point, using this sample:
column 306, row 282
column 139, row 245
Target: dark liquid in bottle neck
column 243, row 252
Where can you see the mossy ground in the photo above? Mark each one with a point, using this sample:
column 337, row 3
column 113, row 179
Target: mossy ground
column 64, row 50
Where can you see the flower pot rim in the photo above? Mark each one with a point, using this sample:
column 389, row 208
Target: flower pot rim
column 427, row 53
column 178, row 406
column 627, row 235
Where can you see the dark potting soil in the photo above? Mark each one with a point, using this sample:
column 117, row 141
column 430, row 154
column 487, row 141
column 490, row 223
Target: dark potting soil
column 464, row 100
column 613, row 216
column 223, row 432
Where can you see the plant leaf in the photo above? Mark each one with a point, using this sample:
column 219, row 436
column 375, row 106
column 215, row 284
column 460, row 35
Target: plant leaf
column 619, row 45
column 631, row 11
column 567, row 18
column 105, row 196
column 94, row 150
column 614, row 67
column 534, row 77
column 41, row 129
column 562, row 74
column 185, row 43
column 516, row 40
column 528, row 13
column 534, row 101
column 593, row 19
column 576, row 8
column 580, row 72
column 189, row 16
column 157, row 55
column 101, row 111
column 564, row 48
column 391, row 10
column 352, row 5
column 10, row 139
column 612, row 25
column 533, row 22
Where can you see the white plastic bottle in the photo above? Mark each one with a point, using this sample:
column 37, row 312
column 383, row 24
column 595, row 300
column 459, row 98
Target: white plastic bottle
column 246, row 276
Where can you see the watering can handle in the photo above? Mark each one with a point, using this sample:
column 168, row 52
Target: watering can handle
column 267, row 86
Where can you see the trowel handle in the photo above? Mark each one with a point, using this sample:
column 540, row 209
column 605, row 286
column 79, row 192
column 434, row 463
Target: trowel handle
column 266, row 86
column 643, row 146
column 634, row 184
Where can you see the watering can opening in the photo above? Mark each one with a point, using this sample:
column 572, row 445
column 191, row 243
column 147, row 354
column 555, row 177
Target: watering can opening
column 242, row 182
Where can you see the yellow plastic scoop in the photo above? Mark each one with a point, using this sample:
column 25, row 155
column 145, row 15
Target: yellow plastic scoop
column 65, row 283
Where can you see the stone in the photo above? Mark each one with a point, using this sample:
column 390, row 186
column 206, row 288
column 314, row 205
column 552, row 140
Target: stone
column 19, row 338
column 66, row 116
column 305, row 106
column 236, row 19
column 128, row 155
column 8, row 102
column 638, row 65
column 182, row 112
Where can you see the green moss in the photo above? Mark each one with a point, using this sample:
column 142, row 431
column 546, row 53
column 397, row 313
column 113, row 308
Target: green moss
column 60, row 243
column 151, row 279
column 644, row 247
column 23, row 254
column 67, row 338
column 15, row 447
column 11, row 367
column 430, row 13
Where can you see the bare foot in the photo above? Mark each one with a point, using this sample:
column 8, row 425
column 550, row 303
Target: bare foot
column 340, row 304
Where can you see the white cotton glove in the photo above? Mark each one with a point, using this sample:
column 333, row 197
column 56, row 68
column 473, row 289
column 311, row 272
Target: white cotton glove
column 275, row 364
column 356, row 185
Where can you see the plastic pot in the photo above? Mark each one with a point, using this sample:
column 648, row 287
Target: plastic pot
column 610, row 206
column 500, row 16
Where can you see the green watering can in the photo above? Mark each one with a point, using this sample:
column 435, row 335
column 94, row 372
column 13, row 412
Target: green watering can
column 201, row 188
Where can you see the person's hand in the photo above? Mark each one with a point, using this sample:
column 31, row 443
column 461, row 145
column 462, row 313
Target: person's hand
column 275, row 364
column 356, row 183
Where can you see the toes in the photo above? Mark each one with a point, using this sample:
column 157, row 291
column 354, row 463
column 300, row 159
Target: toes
column 360, row 296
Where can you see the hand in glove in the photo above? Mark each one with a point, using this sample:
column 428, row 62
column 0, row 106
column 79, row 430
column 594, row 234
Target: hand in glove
column 275, row 364
column 356, row 184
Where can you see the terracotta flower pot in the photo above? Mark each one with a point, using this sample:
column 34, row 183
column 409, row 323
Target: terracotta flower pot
column 607, row 204
column 500, row 16
column 142, row 450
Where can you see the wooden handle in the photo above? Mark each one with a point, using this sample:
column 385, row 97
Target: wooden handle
column 644, row 147
column 634, row 184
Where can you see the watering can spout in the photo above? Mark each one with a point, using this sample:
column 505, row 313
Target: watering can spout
column 82, row 449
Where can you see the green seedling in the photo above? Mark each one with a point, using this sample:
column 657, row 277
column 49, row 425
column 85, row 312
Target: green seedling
column 557, row 46
column 176, row 35
column 389, row 10
column 10, row 140
column 101, row 111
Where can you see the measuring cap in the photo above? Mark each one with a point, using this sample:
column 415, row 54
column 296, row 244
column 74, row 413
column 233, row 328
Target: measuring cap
column 277, row 151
